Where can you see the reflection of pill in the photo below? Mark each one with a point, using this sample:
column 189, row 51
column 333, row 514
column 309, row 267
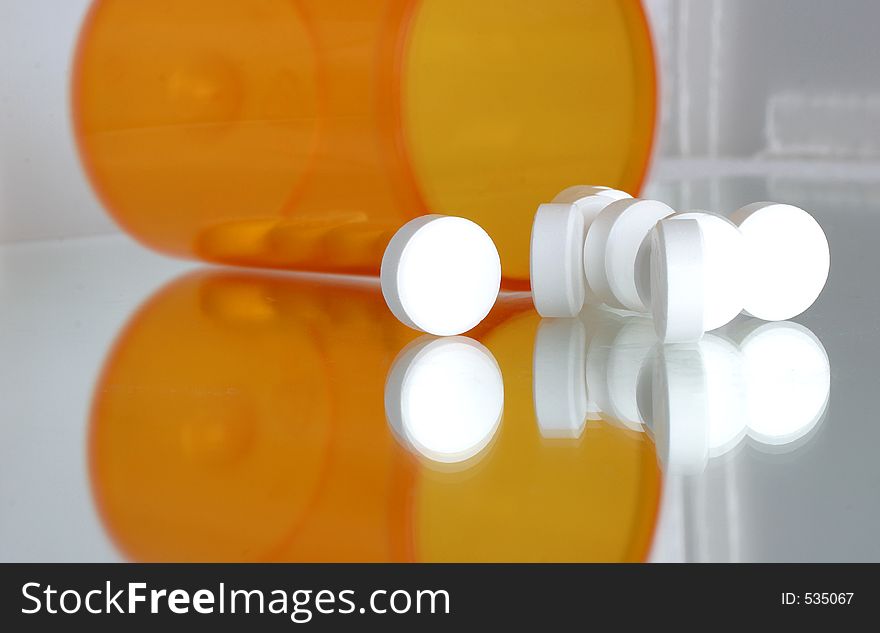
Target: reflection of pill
column 441, row 274
column 677, row 280
column 723, row 256
column 630, row 221
column 558, row 284
column 602, row 327
column 788, row 380
column 626, row 356
column 725, row 393
column 680, row 409
column 786, row 259
column 444, row 398
column 558, row 378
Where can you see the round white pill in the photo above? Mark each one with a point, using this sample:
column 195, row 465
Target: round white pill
column 441, row 274
column 630, row 221
column 590, row 201
column 723, row 258
column 573, row 194
column 591, row 207
column 594, row 259
column 444, row 398
column 677, row 269
column 643, row 271
column 557, row 277
column 786, row 259
column 558, row 378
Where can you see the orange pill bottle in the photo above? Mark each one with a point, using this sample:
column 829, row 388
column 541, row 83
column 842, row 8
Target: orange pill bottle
column 300, row 134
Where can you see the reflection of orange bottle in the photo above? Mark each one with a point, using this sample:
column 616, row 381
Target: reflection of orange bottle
column 298, row 133
column 241, row 417
column 530, row 498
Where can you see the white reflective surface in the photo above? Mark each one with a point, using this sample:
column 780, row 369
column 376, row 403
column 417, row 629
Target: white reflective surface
column 764, row 453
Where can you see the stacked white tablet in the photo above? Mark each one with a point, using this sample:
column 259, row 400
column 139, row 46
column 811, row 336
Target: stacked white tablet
column 693, row 271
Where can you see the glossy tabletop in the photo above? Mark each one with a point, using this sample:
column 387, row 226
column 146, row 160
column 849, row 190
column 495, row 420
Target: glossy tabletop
column 156, row 409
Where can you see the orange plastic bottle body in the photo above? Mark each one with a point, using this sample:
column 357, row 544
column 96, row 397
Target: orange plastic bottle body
column 301, row 133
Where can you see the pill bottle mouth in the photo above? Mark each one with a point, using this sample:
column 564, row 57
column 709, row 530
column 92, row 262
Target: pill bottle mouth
column 299, row 134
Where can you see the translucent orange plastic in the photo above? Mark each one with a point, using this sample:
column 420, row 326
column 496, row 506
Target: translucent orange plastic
column 240, row 417
column 300, row 133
